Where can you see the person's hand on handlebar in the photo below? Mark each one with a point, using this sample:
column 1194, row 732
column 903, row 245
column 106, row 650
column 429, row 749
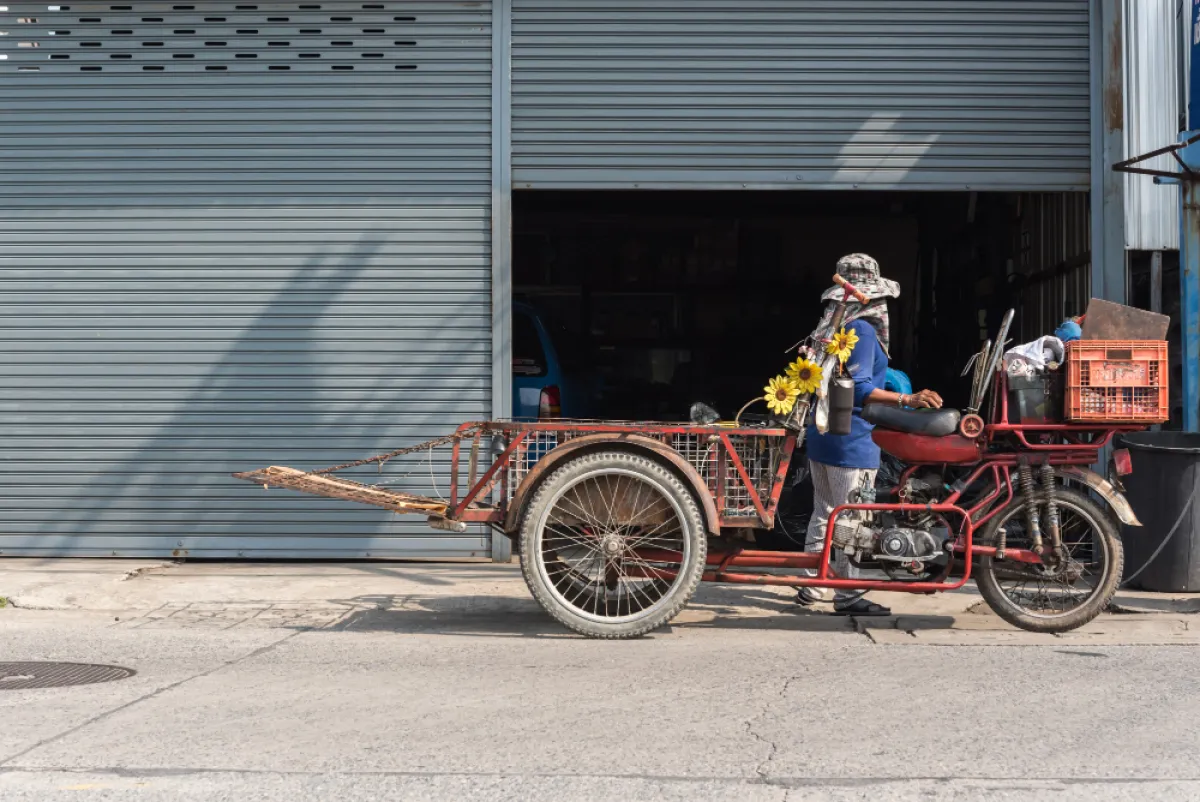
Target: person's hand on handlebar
column 926, row 399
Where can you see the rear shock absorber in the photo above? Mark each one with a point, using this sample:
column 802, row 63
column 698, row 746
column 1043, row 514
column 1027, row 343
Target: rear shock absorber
column 1032, row 522
column 1052, row 518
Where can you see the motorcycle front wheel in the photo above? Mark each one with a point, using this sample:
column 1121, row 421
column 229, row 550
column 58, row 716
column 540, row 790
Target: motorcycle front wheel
column 1059, row 597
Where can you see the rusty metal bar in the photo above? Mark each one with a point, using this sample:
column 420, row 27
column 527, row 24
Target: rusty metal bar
column 785, row 460
column 500, row 460
column 738, row 559
column 1126, row 165
column 632, row 427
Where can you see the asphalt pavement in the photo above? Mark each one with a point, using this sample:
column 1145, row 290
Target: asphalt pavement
column 443, row 696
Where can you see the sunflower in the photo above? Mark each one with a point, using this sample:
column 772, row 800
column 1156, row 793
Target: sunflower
column 805, row 375
column 781, row 393
column 842, row 344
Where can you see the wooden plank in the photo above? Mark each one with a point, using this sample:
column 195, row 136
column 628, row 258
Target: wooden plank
column 331, row 487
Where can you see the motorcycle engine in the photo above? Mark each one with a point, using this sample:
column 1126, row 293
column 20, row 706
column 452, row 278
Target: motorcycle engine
column 901, row 544
column 897, row 541
column 888, row 543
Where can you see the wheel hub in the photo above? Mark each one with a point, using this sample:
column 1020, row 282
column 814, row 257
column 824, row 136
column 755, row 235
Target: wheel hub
column 612, row 545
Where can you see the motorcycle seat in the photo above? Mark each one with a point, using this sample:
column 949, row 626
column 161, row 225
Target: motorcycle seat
column 929, row 422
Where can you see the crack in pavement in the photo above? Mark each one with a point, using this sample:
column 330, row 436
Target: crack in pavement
column 761, row 770
column 106, row 714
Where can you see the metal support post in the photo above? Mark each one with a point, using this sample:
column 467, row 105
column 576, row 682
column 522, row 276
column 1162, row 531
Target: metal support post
column 1156, row 281
column 1109, row 272
column 1189, row 289
column 501, row 229
column 1189, row 236
column 1108, row 148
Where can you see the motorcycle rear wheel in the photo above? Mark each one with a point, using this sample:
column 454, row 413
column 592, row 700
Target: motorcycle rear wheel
column 1043, row 599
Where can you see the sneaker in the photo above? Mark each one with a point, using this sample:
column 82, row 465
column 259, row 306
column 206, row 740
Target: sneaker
column 807, row 597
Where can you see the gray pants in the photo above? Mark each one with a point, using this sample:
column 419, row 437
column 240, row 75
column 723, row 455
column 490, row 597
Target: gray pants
column 831, row 489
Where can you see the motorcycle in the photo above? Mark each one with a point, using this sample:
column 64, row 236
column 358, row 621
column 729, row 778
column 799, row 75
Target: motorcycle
column 1014, row 505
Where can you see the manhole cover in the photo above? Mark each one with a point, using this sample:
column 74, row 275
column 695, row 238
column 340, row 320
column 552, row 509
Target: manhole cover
column 18, row 676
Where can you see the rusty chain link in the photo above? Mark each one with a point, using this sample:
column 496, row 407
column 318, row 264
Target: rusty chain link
column 427, row 445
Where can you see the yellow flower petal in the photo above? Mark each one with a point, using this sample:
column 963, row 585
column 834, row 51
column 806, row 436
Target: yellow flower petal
column 842, row 344
column 805, row 375
column 780, row 395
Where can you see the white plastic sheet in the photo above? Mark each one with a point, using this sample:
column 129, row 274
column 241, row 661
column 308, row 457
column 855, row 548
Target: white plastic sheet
column 1029, row 359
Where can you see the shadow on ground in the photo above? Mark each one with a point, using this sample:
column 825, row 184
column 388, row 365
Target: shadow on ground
column 510, row 617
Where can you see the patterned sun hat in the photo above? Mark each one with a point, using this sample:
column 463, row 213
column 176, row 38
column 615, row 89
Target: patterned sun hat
column 863, row 272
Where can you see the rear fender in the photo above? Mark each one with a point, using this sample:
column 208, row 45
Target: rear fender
column 1107, row 491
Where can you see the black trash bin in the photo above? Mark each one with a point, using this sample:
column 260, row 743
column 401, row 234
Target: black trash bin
column 1163, row 492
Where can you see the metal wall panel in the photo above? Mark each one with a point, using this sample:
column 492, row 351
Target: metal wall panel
column 1053, row 261
column 234, row 235
column 1153, row 72
column 922, row 94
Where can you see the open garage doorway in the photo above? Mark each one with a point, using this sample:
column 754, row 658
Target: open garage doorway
column 654, row 300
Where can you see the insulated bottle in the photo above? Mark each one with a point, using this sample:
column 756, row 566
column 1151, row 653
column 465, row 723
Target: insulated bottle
column 841, row 404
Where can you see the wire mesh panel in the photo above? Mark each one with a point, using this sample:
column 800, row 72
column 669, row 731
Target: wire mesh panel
column 759, row 461
column 703, row 449
column 529, row 452
column 700, row 450
column 708, row 455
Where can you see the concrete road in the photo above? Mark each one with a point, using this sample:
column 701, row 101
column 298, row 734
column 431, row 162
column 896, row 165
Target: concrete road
column 474, row 702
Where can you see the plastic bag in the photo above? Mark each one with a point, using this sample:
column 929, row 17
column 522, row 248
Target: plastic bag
column 888, row 475
column 1031, row 358
column 1068, row 331
column 898, row 382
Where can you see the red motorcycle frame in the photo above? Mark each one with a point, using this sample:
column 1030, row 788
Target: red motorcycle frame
column 1001, row 448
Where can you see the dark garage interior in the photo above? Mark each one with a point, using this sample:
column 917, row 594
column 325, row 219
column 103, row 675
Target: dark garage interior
column 655, row 300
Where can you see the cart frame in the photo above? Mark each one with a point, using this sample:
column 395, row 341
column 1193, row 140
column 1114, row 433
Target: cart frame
column 736, row 474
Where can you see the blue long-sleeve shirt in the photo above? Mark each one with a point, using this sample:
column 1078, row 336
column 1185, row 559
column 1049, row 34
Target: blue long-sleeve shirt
column 867, row 365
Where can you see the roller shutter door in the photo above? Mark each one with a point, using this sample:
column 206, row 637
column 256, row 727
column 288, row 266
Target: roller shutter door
column 869, row 94
column 233, row 235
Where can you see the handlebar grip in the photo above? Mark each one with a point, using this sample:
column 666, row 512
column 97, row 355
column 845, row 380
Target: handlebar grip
column 850, row 288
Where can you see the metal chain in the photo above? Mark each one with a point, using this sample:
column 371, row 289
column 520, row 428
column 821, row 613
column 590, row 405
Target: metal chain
column 428, row 444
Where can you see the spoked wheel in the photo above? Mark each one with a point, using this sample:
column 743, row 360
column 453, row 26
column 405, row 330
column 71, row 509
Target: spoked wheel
column 613, row 545
column 1073, row 588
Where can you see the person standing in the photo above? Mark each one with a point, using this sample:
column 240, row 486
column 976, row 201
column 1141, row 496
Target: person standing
column 842, row 464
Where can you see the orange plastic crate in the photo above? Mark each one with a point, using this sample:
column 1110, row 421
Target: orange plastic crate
column 1117, row 381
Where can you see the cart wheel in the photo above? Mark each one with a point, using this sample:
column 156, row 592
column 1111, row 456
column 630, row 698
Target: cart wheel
column 613, row 545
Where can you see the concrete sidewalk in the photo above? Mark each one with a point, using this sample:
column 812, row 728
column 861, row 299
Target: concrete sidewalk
column 472, row 597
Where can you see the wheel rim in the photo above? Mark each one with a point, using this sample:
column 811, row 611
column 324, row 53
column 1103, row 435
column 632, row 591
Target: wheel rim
column 588, row 538
column 1041, row 592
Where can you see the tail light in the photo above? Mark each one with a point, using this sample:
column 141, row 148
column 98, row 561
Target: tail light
column 1122, row 463
column 550, row 403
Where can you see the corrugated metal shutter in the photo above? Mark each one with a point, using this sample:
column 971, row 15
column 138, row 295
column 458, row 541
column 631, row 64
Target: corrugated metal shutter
column 920, row 94
column 1153, row 71
column 234, row 235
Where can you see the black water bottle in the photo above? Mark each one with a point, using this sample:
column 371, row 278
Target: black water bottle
column 841, row 404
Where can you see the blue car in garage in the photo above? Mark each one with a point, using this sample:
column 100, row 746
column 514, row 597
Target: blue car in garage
column 541, row 388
